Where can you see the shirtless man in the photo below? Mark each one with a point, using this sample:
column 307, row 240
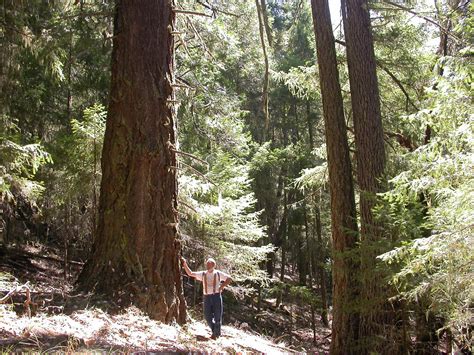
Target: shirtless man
column 214, row 281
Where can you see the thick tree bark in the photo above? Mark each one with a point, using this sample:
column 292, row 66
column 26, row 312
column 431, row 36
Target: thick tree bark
column 343, row 210
column 370, row 154
column 135, row 254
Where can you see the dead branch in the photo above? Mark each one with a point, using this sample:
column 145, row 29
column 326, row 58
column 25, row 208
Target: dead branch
column 197, row 172
column 186, row 205
column 190, row 156
column 183, row 42
column 217, row 10
column 203, row 44
column 182, row 86
column 399, row 84
column 188, row 12
column 427, row 19
column 392, row 76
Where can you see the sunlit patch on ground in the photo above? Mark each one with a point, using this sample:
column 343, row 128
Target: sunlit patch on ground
column 93, row 329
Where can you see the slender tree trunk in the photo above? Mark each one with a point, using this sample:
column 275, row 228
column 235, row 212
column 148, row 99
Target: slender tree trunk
column 309, row 120
column 284, row 236
column 318, row 258
column 310, row 269
column 94, row 189
column 302, row 259
column 69, row 76
column 135, row 255
column 7, row 53
column 370, row 156
column 268, row 30
column 267, row 69
column 343, row 211
column 67, row 215
column 274, row 223
column 322, row 278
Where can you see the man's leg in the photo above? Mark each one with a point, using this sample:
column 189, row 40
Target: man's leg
column 218, row 310
column 208, row 312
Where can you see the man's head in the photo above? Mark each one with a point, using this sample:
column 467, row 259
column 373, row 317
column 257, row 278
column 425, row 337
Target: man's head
column 210, row 264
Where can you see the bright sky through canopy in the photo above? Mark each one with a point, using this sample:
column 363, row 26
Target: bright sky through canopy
column 335, row 9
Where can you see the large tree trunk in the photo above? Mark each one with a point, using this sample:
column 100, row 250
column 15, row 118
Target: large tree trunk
column 370, row 154
column 135, row 254
column 343, row 210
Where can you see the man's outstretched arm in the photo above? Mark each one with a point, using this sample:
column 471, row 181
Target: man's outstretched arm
column 186, row 267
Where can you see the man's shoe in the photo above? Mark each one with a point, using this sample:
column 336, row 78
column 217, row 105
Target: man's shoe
column 213, row 337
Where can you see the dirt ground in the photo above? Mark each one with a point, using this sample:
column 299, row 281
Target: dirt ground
column 55, row 319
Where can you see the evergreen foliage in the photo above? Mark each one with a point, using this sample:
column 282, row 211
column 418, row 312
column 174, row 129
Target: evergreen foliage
column 257, row 198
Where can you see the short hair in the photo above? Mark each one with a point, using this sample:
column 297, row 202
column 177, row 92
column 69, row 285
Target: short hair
column 211, row 260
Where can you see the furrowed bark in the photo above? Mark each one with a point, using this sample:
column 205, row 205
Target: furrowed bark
column 135, row 253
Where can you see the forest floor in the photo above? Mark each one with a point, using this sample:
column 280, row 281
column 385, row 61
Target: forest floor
column 57, row 320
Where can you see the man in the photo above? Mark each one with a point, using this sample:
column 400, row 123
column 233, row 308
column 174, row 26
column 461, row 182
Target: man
column 214, row 281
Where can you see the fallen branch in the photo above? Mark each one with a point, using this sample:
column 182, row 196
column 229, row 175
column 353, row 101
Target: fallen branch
column 45, row 257
column 16, row 290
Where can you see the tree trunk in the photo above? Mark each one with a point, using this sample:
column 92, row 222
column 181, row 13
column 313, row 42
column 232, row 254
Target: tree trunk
column 69, row 77
column 274, row 222
column 266, row 79
column 309, row 246
column 310, row 125
column 135, row 254
column 322, row 278
column 370, row 154
column 268, row 30
column 343, row 210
